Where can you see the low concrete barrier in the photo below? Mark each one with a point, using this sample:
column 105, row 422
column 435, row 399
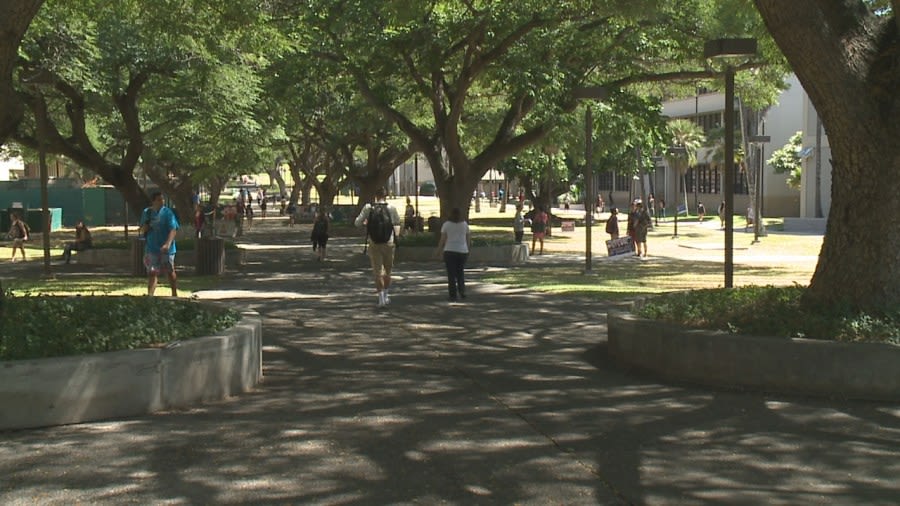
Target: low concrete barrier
column 510, row 254
column 64, row 390
column 121, row 258
column 869, row 371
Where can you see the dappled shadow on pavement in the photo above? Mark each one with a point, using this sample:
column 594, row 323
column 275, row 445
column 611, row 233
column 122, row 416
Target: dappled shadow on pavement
column 506, row 398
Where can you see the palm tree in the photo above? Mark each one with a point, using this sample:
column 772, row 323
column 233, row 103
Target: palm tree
column 716, row 154
column 688, row 135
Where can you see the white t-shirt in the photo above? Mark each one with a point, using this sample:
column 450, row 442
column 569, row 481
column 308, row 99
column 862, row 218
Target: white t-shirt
column 456, row 236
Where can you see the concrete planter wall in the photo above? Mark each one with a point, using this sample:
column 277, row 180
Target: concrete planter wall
column 510, row 254
column 121, row 258
column 824, row 368
column 63, row 390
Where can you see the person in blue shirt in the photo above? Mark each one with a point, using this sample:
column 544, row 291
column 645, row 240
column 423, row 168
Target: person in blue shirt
column 159, row 227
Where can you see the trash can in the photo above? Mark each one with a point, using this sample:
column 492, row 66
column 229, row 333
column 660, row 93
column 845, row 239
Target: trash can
column 137, row 256
column 434, row 225
column 210, row 256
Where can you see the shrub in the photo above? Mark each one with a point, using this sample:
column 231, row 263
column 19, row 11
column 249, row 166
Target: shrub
column 429, row 239
column 770, row 311
column 183, row 244
column 47, row 326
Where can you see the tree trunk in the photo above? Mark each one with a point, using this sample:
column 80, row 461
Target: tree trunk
column 17, row 15
column 847, row 60
column 275, row 175
column 305, row 191
column 216, row 185
column 457, row 195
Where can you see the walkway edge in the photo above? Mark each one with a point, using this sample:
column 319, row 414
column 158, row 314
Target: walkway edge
column 866, row 371
column 64, row 390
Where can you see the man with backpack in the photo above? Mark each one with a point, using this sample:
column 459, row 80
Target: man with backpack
column 382, row 225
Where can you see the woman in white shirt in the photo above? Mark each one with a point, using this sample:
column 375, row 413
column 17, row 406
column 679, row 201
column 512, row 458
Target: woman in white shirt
column 454, row 243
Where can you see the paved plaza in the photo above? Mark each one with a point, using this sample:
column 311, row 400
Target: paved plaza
column 508, row 398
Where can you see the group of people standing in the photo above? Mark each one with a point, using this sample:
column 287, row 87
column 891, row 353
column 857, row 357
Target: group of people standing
column 639, row 223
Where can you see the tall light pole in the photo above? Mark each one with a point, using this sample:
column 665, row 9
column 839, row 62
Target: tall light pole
column 727, row 49
column 589, row 93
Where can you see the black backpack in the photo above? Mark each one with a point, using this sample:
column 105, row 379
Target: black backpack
column 379, row 226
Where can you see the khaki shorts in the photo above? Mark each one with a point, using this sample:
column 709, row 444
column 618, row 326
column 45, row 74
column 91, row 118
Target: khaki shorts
column 382, row 257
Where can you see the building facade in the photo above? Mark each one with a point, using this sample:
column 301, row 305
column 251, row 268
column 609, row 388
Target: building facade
column 791, row 113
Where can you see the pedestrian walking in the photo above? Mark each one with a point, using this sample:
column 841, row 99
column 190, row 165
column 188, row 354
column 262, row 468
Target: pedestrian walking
column 721, row 213
column 701, row 211
column 382, row 223
column 320, row 231
column 409, row 217
column 454, row 244
column 20, row 234
column 159, row 227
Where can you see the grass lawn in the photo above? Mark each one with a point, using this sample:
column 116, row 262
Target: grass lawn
column 105, row 284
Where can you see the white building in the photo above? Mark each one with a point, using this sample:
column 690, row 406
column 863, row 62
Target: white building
column 793, row 112
column 11, row 168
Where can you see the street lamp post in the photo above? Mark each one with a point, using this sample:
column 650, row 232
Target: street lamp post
column 588, row 177
column 726, row 48
column 590, row 93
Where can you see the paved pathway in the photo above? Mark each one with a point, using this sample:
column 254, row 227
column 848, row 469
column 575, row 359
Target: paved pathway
column 508, row 398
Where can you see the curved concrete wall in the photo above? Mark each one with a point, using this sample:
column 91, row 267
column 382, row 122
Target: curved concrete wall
column 63, row 390
column 511, row 254
column 825, row 368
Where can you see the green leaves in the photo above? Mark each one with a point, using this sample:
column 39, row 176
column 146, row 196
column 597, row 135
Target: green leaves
column 42, row 326
column 770, row 311
column 787, row 160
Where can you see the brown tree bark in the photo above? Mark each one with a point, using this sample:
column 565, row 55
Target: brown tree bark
column 77, row 144
column 14, row 22
column 849, row 63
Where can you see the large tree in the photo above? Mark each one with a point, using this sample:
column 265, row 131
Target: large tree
column 505, row 68
column 846, row 53
column 103, row 80
column 17, row 16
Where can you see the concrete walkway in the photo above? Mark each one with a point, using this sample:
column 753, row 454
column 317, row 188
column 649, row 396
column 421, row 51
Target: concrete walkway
column 508, row 398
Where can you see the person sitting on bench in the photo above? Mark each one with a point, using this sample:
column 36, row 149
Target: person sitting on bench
column 82, row 242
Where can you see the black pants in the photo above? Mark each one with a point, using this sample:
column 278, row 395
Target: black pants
column 72, row 246
column 519, row 235
column 456, row 278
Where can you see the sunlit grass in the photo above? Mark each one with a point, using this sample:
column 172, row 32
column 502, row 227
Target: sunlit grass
column 106, row 285
column 628, row 278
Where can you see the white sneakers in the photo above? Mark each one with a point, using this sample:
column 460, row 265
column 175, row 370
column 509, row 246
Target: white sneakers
column 383, row 298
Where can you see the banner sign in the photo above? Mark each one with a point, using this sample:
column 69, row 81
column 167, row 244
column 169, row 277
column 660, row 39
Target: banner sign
column 620, row 246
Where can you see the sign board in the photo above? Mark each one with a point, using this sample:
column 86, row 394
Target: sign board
column 17, row 205
column 620, row 246
column 682, row 209
column 568, row 226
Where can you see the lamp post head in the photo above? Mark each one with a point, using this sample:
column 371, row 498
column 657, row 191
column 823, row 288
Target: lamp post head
column 720, row 48
column 590, row 93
